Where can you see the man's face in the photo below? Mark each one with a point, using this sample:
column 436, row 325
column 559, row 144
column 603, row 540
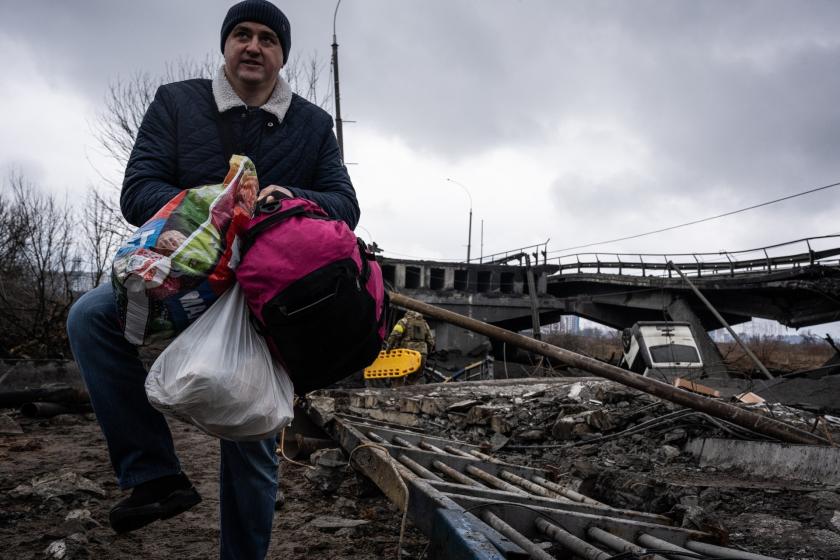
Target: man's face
column 253, row 55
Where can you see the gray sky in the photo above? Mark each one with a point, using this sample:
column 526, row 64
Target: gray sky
column 576, row 121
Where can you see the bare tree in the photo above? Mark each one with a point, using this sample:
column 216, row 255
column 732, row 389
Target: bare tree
column 104, row 231
column 304, row 77
column 38, row 270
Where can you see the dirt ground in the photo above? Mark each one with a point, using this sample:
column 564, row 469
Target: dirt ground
column 57, row 485
column 30, row 524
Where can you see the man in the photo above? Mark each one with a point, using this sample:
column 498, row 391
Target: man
column 412, row 332
column 185, row 140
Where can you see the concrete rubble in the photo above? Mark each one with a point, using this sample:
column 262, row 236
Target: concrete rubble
column 630, row 450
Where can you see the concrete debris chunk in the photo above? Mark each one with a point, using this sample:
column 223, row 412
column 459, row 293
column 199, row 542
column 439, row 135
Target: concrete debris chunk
column 610, row 394
column 677, row 435
column 563, row 428
column 79, row 519
column 58, row 485
column 410, row 405
column 329, row 471
column 431, row 406
column 575, row 392
column 481, row 414
column 8, row 426
column 498, row 441
column 325, row 479
column 669, row 452
column 500, row 424
column 330, row 458
column 824, row 499
column 768, row 459
column 600, row 420
column 69, row 548
column 778, row 532
column 462, row 406
column 532, row 435
column 321, row 409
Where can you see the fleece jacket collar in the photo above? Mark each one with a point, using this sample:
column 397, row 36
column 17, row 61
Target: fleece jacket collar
column 227, row 99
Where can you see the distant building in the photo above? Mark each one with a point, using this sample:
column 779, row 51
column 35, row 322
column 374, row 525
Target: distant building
column 571, row 324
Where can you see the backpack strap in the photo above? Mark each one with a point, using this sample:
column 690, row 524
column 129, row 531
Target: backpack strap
column 274, row 219
column 365, row 256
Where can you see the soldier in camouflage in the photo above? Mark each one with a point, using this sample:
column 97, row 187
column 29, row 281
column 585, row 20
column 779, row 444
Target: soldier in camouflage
column 412, row 332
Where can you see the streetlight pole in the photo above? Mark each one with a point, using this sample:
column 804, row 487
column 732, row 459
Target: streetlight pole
column 338, row 125
column 469, row 231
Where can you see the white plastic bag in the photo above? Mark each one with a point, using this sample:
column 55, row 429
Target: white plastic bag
column 219, row 375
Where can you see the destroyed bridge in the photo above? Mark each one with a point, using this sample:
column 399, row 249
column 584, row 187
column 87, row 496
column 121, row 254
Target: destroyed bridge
column 795, row 283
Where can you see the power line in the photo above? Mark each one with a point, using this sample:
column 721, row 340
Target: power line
column 754, row 206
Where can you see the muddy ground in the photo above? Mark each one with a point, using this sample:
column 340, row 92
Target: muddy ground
column 32, row 524
column 56, row 483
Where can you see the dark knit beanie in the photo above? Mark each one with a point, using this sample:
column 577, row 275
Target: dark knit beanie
column 259, row 11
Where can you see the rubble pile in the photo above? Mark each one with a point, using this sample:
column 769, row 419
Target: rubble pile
column 625, row 448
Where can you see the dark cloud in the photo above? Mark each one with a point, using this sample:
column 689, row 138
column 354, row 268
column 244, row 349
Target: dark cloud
column 733, row 102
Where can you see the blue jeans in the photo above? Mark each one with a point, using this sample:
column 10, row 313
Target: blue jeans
column 139, row 441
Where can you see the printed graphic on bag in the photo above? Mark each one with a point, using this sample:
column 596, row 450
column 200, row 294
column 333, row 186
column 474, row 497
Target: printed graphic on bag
column 180, row 261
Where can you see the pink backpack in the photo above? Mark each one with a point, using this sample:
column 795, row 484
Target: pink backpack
column 314, row 289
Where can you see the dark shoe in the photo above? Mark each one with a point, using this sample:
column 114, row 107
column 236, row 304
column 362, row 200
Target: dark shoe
column 161, row 498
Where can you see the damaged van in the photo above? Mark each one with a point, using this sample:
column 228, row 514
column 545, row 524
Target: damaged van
column 661, row 349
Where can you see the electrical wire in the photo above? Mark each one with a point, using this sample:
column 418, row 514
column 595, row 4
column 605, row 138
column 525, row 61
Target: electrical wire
column 701, row 220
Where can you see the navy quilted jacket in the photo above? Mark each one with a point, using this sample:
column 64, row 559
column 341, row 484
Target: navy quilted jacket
column 178, row 146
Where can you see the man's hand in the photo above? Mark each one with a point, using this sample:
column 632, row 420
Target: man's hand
column 270, row 189
column 169, row 241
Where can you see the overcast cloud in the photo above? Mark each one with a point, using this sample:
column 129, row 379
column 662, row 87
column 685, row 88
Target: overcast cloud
column 575, row 121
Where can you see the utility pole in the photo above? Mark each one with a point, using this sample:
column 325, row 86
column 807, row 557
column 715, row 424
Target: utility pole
column 338, row 126
column 481, row 257
column 469, row 231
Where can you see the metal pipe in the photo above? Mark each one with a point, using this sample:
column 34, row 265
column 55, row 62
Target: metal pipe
column 494, row 481
column 376, row 437
column 458, row 477
column 724, row 552
column 744, row 418
column 723, row 322
column 419, row 469
column 429, row 447
column 485, row 457
column 524, row 542
column 459, row 452
column 567, row 492
column 570, row 542
column 43, row 409
column 530, row 486
column 403, row 442
column 301, row 447
column 652, row 542
column 618, row 544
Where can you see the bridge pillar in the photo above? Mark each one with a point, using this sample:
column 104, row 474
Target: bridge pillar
column 450, row 337
column 680, row 310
